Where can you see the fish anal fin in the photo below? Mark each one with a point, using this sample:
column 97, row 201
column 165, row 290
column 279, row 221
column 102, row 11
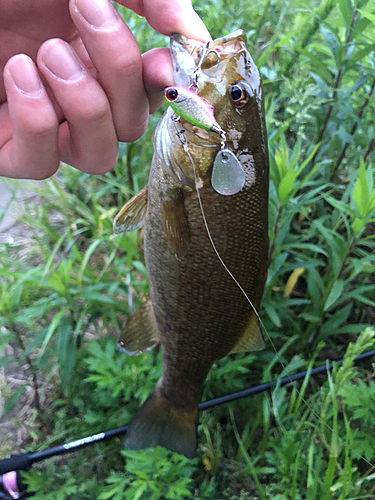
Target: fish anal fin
column 158, row 423
column 175, row 224
column 140, row 332
column 251, row 339
column 132, row 214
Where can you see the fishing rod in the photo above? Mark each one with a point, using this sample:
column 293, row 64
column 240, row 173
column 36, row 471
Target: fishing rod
column 11, row 479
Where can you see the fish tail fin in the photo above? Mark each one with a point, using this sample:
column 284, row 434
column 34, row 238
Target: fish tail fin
column 158, row 423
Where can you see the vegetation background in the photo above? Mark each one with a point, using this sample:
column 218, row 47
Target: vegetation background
column 66, row 285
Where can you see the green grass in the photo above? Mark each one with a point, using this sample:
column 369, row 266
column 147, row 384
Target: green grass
column 68, row 284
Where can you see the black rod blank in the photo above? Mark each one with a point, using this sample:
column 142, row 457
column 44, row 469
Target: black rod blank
column 25, row 460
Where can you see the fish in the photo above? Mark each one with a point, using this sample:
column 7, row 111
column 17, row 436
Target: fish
column 195, row 310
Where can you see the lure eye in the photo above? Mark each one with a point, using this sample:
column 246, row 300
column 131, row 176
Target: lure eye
column 171, row 94
column 240, row 94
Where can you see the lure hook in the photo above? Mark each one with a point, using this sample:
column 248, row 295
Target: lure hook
column 196, row 72
column 180, row 132
column 195, row 76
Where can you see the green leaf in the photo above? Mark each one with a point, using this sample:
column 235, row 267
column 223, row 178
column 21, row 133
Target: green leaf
column 296, row 153
column 343, row 207
column 64, row 331
column 57, row 284
column 4, row 339
column 331, row 40
column 360, row 192
column 68, row 366
column 286, row 185
column 97, row 297
column 281, row 157
column 371, row 202
column 358, row 84
column 346, row 11
column 51, row 330
column 273, row 46
column 139, row 492
column 367, row 15
column 339, row 316
column 272, row 314
column 360, row 54
column 86, row 258
column 334, row 294
column 11, row 402
column 320, row 82
column 358, row 226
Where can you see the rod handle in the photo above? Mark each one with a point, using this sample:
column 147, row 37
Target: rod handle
column 15, row 462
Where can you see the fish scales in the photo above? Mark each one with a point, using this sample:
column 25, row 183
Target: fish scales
column 196, row 311
column 219, row 319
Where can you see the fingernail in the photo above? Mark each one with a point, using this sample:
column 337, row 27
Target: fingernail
column 60, row 59
column 24, row 75
column 99, row 13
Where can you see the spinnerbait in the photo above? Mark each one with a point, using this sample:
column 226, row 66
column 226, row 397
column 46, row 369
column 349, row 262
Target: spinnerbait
column 228, row 176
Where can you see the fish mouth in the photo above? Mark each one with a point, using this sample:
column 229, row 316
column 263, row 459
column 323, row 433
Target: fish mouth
column 187, row 54
column 200, row 137
column 212, row 59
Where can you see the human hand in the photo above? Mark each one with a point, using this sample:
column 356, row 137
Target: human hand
column 75, row 82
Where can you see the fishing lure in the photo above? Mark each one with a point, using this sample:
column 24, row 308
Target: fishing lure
column 192, row 108
column 228, row 176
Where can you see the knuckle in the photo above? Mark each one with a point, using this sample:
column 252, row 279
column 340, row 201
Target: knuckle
column 109, row 163
column 99, row 164
column 43, row 130
column 128, row 65
column 104, row 168
column 39, row 126
column 134, row 132
column 98, row 168
column 98, row 113
column 38, row 168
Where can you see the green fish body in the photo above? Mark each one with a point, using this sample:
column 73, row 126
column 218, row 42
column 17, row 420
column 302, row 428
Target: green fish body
column 196, row 311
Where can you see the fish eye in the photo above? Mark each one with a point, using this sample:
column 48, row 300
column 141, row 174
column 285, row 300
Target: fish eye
column 171, row 94
column 240, row 94
column 236, row 93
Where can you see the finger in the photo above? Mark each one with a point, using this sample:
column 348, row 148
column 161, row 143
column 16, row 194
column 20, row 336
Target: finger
column 170, row 16
column 32, row 149
column 88, row 139
column 157, row 74
column 117, row 59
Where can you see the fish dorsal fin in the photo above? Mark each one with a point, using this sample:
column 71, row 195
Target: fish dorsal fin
column 251, row 339
column 132, row 214
column 140, row 332
column 175, row 224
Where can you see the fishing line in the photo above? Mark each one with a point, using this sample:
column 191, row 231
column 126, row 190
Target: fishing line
column 288, row 376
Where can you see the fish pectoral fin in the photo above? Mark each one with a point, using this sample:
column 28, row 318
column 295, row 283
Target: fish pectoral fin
column 140, row 332
column 132, row 214
column 175, row 224
column 252, row 339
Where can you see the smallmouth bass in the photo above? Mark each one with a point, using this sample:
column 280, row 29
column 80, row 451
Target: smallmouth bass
column 196, row 311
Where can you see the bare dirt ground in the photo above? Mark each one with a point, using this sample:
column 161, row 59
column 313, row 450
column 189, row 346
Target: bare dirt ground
column 11, row 198
column 13, row 426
